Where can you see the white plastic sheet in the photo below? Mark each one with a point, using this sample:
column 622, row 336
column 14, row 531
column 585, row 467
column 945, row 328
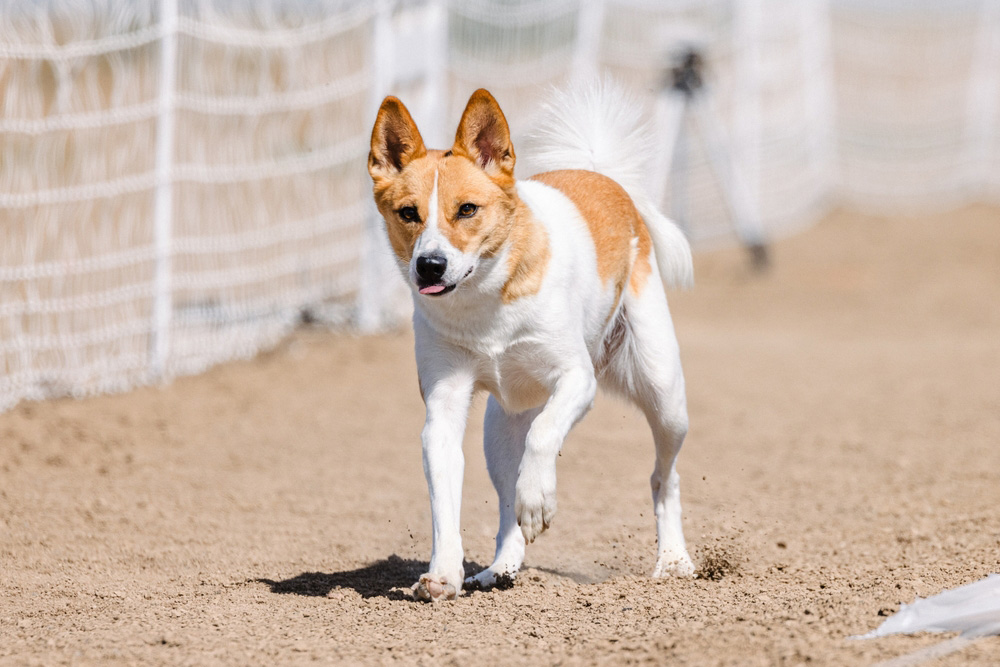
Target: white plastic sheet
column 973, row 610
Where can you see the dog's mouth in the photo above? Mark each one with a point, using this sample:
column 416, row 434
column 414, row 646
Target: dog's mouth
column 437, row 290
column 440, row 288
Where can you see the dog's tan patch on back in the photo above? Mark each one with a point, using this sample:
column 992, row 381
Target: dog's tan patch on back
column 613, row 222
column 642, row 267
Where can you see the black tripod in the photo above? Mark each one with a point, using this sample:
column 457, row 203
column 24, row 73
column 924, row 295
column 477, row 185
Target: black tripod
column 684, row 97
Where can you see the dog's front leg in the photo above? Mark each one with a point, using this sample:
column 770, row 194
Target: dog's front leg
column 447, row 394
column 535, row 497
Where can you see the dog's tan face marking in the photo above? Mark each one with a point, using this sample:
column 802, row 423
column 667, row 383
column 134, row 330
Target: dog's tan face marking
column 483, row 230
column 471, row 188
column 613, row 222
column 459, row 184
column 410, row 188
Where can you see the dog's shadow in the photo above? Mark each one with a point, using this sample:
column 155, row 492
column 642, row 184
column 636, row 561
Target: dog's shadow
column 389, row 578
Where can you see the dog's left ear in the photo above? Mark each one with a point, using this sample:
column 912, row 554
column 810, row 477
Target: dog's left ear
column 484, row 137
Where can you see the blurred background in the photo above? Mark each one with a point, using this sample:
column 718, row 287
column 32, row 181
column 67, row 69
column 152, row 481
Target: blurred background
column 183, row 182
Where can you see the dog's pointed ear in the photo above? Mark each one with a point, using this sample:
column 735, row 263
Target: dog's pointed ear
column 395, row 140
column 484, row 137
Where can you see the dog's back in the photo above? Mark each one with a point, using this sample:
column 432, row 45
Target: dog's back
column 600, row 127
column 621, row 240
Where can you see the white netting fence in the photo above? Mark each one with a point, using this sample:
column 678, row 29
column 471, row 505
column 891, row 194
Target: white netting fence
column 182, row 181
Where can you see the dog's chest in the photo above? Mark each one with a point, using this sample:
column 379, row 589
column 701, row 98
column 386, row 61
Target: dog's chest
column 518, row 378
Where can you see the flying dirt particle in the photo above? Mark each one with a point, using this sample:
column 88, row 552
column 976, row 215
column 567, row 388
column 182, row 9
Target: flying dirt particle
column 716, row 563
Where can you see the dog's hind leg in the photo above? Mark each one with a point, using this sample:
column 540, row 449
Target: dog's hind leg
column 503, row 442
column 647, row 368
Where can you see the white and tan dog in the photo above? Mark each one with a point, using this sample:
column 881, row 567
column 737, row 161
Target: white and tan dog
column 536, row 291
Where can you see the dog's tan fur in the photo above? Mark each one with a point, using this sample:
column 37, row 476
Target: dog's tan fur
column 613, row 222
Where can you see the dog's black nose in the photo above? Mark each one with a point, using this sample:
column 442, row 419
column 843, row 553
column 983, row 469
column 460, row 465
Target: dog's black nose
column 430, row 268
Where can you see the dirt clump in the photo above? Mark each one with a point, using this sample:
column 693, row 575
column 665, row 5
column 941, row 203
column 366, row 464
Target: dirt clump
column 716, row 562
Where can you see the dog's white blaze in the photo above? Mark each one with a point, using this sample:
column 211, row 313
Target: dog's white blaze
column 430, row 239
column 433, row 241
column 432, row 204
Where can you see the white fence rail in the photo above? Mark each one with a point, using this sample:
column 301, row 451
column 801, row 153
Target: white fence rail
column 182, row 181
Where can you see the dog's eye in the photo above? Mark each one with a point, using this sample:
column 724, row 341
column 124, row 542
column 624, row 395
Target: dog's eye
column 409, row 213
column 467, row 210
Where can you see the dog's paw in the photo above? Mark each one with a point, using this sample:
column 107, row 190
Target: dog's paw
column 435, row 587
column 535, row 502
column 674, row 565
column 488, row 579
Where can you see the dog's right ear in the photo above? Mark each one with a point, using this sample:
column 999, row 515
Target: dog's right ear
column 484, row 137
column 395, row 140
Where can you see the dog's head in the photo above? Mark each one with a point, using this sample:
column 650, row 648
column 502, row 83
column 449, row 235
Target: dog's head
column 445, row 211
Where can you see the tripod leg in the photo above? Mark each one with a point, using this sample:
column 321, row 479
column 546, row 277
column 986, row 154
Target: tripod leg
column 745, row 220
column 679, row 182
column 671, row 111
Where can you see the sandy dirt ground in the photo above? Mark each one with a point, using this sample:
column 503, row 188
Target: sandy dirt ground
column 844, row 457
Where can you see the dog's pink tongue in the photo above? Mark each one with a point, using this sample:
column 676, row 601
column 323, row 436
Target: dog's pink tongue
column 432, row 289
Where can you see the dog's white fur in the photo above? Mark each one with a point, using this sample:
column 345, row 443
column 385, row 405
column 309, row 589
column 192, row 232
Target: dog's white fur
column 537, row 355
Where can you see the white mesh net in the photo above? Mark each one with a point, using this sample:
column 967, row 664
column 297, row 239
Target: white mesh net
column 917, row 102
column 127, row 257
column 183, row 181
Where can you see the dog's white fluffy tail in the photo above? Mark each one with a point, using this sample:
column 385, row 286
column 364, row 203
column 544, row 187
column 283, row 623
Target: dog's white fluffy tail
column 602, row 127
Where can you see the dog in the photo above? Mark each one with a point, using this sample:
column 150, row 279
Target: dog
column 537, row 291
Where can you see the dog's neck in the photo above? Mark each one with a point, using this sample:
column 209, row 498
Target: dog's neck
column 528, row 255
